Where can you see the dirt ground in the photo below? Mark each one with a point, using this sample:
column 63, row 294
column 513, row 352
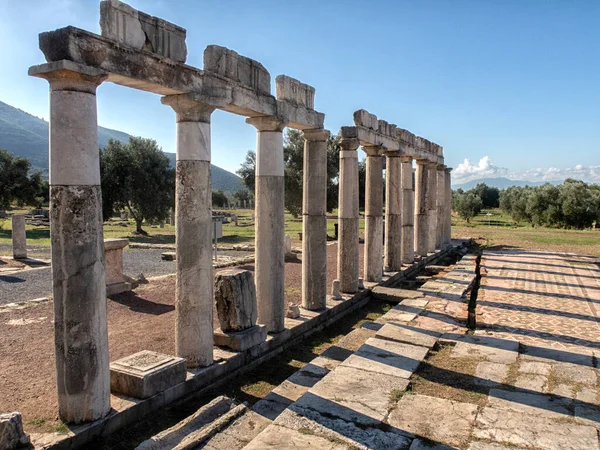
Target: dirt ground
column 140, row 320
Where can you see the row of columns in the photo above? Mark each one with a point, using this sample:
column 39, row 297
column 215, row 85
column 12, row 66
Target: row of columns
column 417, row 219
column 81, row 331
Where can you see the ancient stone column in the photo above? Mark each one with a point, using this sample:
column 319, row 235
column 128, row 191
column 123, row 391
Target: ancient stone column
column 193, row 206
column 408, row 212
column 314, row 220
column 347, row 270
column 448, row 211
column 374, row 214
column 19, row 239
column 440, row 205
column 393, row 210
column 270, row 222
column 78, row 274
column 421, row 222
column 431, row 206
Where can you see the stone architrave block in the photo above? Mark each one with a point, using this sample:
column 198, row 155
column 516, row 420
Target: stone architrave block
column 132, row 28
column 231, row 65
column 240, row 341
column 291, row 90
column 386, row 128
column 406, row 137
column 12, row 436
column 116, row 282
column 363, row 118
column 146, row 373
column 235, row 295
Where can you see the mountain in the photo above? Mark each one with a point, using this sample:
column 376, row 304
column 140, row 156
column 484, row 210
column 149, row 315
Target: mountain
column 25, row 135
column 500, row 183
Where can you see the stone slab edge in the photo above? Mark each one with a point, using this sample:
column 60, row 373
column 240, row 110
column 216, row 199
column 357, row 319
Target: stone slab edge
column 204, row 380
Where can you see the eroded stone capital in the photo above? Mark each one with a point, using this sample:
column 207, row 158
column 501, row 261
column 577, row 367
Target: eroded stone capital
column 422, row 162
column 440, row 167
column 374, row 150
column 316, row 135
column 188, row 108
column 69, row 76
column 267, row 123
column 448, row 170
column 350, row 144
column 407, row 159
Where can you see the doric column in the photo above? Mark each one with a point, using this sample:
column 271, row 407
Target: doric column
column 393, row 211
column 314, row 220
column 448, row 211
column 270, row 222
column 78, row 274
column 347, row 270
column 408, row 212
column 193, row 206
column 374, row 214
column 431, row 206
column 440, row 205
column 421, row 222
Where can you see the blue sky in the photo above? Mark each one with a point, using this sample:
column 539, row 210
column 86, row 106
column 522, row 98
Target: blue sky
column 512, row 87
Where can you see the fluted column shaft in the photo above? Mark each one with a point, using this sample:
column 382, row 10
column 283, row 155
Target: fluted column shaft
column 374, row 214
column 440, row 205
column 314, row 220
column 193, row 206
column 408, row 212
column 421, row 216
column 270, row 222
column 448, row 211
column 393, row 212
column 347, row 268
column 431, row 206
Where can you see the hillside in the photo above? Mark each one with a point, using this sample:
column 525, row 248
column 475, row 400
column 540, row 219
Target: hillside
column 500, row 183
column 27, row 136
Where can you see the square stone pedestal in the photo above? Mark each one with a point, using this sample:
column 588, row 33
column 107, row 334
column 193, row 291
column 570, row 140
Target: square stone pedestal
column 146, row 373
column 241, row 340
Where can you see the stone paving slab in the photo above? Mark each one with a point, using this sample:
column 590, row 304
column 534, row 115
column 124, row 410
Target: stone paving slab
column 370, row 394
column 386, row 357
column 533, row 431
column 421, row 444
column 575, row 373
column 490, row 374
column 542, row 353
column 407, row 334
column 528, row 403
column 480, row 445
column 494, row 350
column 535, row 368
column 440, row 420
column 394, row 295
column 281, row 437
column 396, row 315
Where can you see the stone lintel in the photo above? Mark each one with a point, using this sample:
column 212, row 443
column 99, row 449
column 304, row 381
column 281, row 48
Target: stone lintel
column 294, row 91
column 190, row 107
column 316, row 134
column 369, row 137
column 237, row 68
column 267, row 123
column 300, row 117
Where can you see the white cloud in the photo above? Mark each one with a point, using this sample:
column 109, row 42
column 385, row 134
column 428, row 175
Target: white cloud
column 485, row 168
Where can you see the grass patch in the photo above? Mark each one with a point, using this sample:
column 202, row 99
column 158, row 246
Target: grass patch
column 61, row 428
column 397, row 394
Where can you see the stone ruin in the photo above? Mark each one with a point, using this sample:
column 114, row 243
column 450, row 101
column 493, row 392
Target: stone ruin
column 143, row 52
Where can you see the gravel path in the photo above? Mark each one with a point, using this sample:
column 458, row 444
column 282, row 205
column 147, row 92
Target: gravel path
column 29, row 284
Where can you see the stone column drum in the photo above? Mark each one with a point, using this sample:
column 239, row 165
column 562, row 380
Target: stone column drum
column 440, row 205
column 78, row 274
column 193, row 206
column 448, row 211
column 314, row 220
column 347, row 270
column 374, row 214
column 421, row 222
column 19, row 239
column 408, row 212
column 270, row 222
column 393, row 209
column 431, row 206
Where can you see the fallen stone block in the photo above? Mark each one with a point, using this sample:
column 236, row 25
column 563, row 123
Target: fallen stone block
column 12, row 436
column 146, row 373
column 240, row 341
column 235, row 296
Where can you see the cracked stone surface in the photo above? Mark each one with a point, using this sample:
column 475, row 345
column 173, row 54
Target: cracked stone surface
column 532, row 404
column 535, row 368
column 530, row 431
column 279, row 437
column 494, row 350
column 531, row 382
column 490, row 374
column 407, row 334
column 575, row 373
column 437, row 419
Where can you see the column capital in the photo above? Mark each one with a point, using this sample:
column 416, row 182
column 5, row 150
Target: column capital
column 441, row 167
column 188, row 108
column 407, row 159
column 349, row 144
column 422, row 162
column 69, row 76
column 268, row 123
column 374, row 150
column 448, row 169
column 316, row 134
column 392, row 154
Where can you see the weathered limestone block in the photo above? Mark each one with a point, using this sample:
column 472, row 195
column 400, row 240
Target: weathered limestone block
column 362, row 118
column 113, row 263
column 128, row 26
column 240, row 341
column 388, row 129
column 19, row 240
column 12, row 436
column 235, row 295
column 291, row 90
column 406, row 137
column 146, row 373
column 230, row 64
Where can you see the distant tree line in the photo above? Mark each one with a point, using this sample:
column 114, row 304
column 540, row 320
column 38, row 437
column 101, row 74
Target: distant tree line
column 18, row 185
column 573, row 204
